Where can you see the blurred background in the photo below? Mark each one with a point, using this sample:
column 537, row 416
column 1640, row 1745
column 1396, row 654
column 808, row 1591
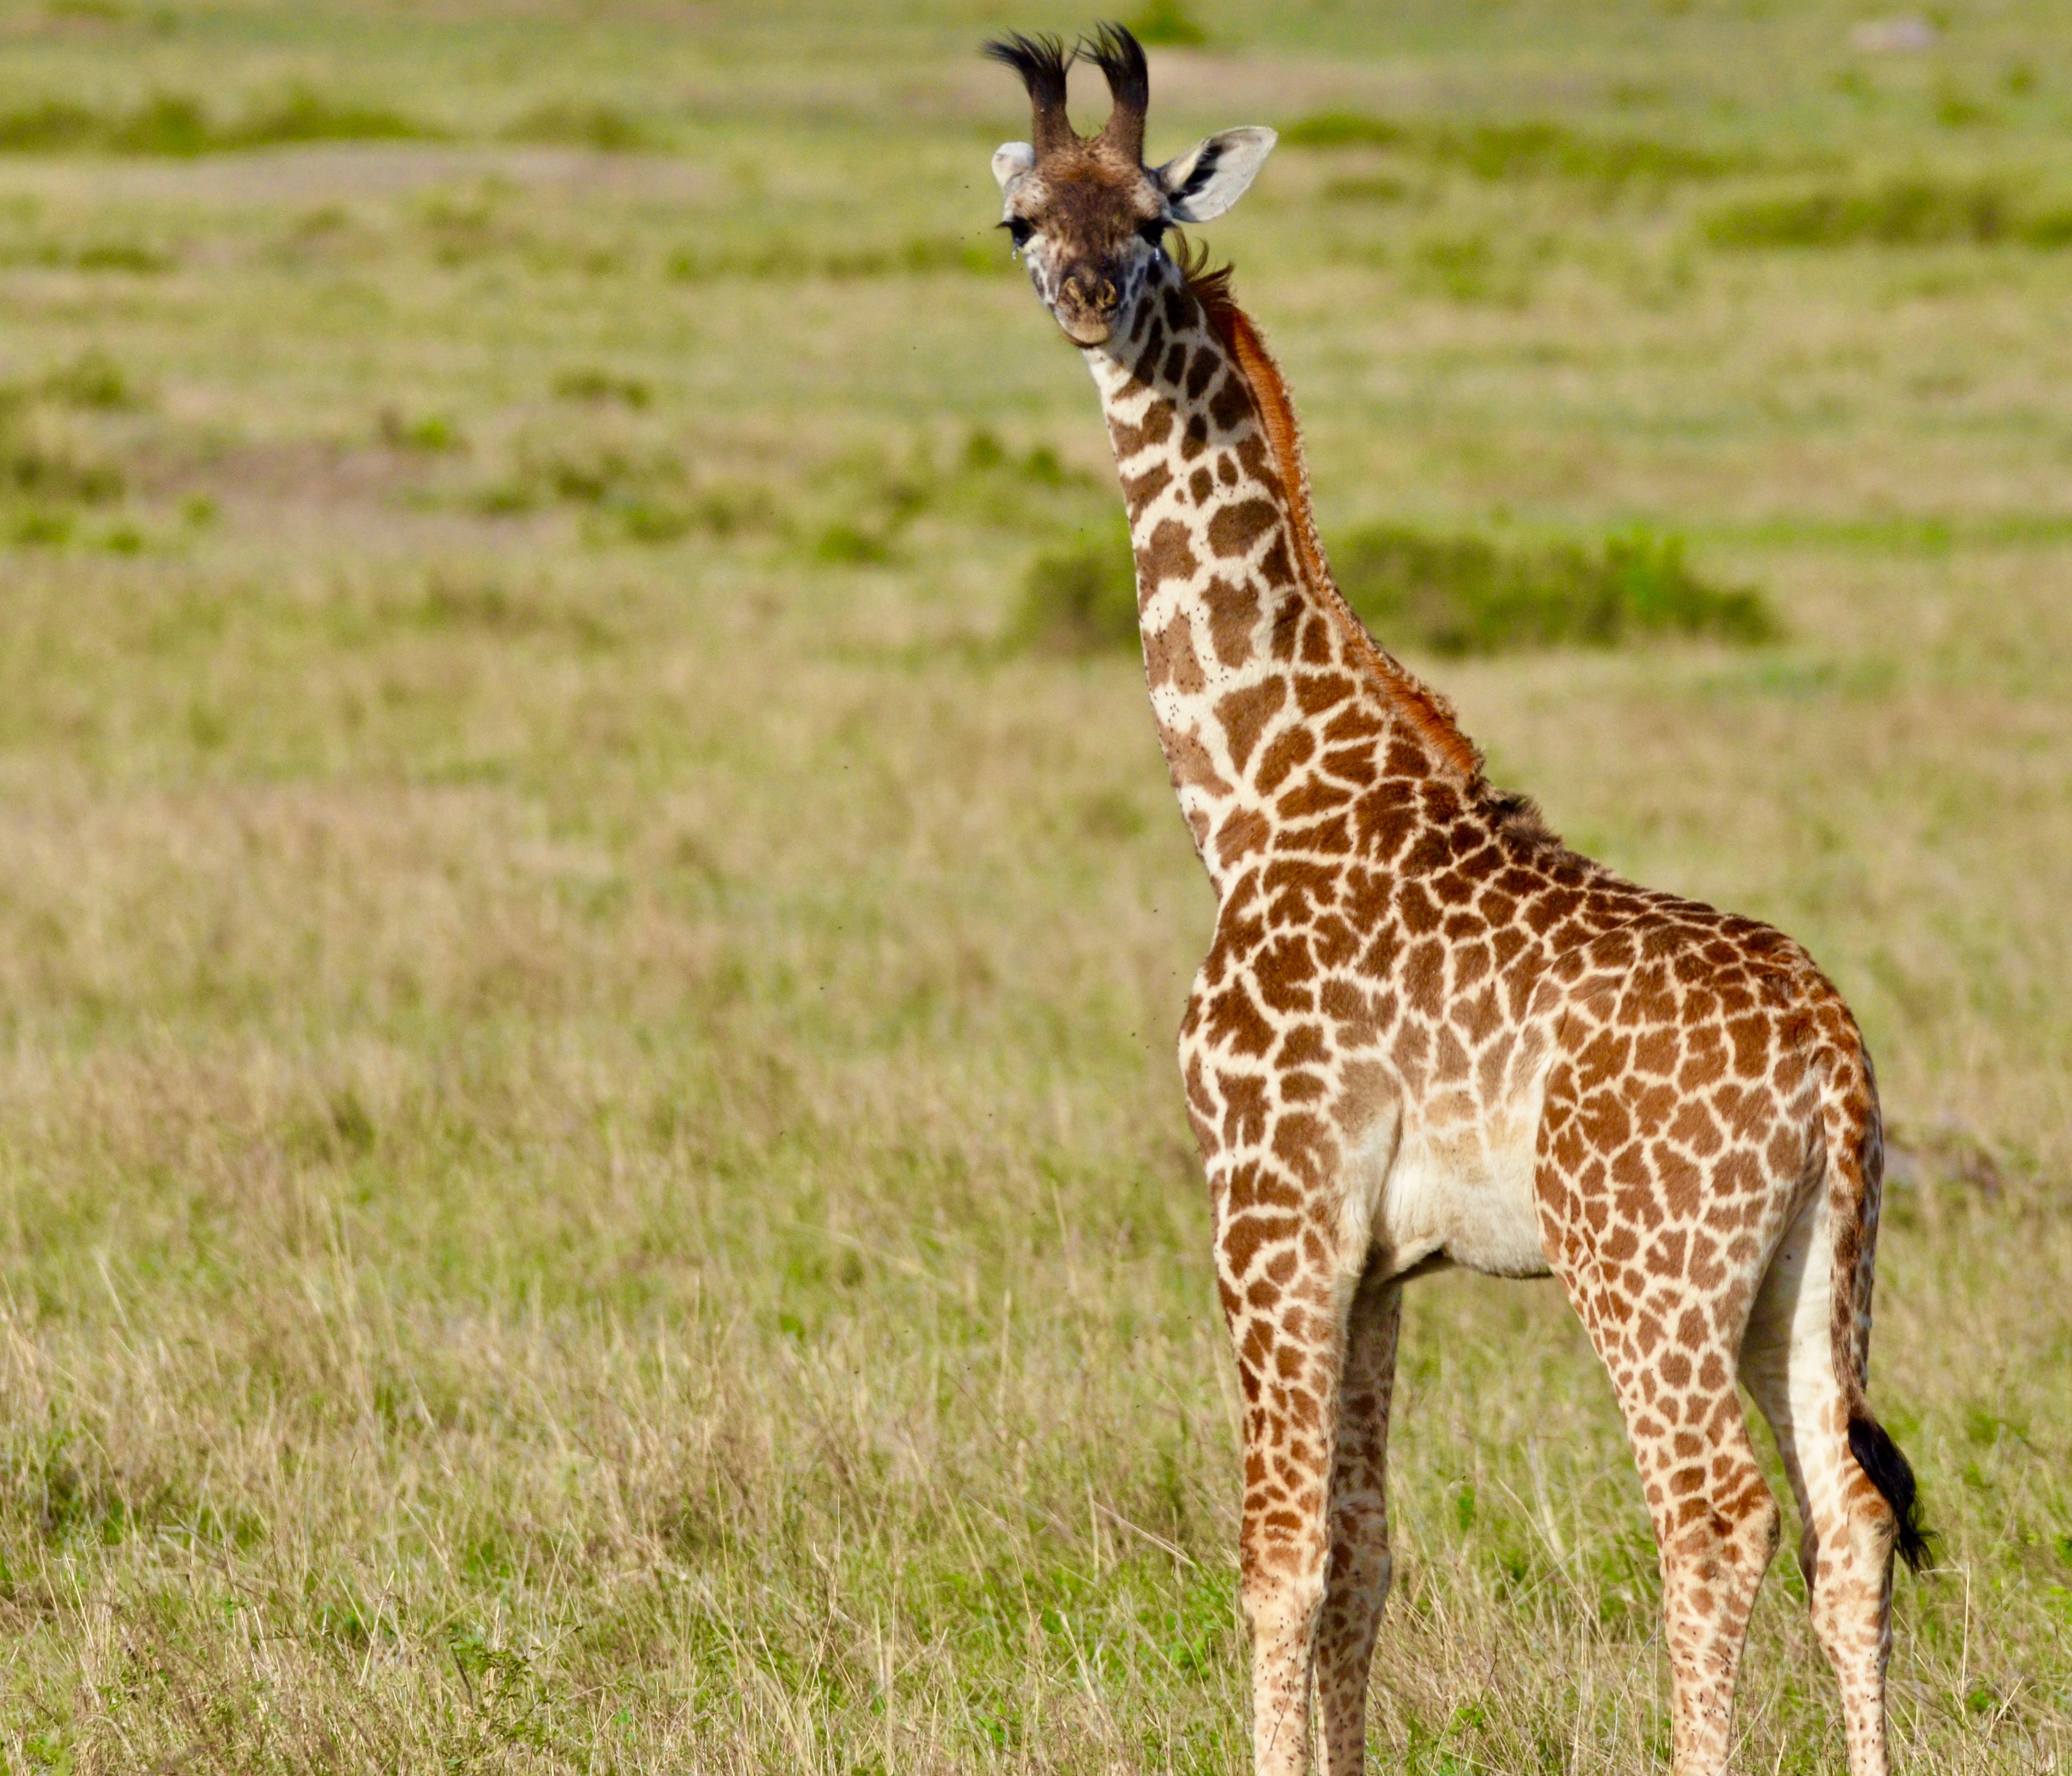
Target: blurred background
column 591, row 924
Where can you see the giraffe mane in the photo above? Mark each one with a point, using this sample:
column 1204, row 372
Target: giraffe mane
column 1428, row 711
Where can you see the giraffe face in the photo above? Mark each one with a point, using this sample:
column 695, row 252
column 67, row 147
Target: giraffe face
column 1089, row 226
column 1087, row 231
column 1086, row 213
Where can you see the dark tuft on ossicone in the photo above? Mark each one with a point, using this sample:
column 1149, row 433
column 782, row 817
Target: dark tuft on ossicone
column 1041, row 62
column 1121, row 58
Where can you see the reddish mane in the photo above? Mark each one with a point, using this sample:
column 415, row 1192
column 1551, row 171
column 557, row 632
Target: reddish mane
column 1430, row 714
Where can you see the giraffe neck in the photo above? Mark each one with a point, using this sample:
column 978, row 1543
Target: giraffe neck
column 1274, row 706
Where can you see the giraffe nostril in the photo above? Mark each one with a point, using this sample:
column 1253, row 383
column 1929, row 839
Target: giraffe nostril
column 1090, row 290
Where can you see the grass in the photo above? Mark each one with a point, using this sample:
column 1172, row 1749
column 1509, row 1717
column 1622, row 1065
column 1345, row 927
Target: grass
column 1081, row 600
column 1453, row 595
column 1535, row 148
column 601, row 126
column 590, row 1171
column 1163, row 22
column 790, row 261
column 1904, row 212
column 179, row 124
column 1458, row 595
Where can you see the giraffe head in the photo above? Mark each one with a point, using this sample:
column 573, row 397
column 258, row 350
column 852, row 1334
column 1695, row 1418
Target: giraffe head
column 1085, row 212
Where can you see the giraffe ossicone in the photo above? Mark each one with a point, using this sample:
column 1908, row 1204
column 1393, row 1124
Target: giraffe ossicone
column 1426, row 1033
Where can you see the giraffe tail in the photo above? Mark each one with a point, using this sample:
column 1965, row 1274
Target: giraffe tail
column 1855, row 1175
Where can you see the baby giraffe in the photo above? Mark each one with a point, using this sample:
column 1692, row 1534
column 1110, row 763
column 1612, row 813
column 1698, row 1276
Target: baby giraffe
column 1427, row 1034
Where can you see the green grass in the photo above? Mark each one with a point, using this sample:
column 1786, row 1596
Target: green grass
column 794, row 261
column 1161, row 22
column 1458, row 595
column 1537, row 148
column 179, row 124
column 601, row 126
column 1904, row 212
column 1081, row 600
column 591, row 1175
column 1451, row 594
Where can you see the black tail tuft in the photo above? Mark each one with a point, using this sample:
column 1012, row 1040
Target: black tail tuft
column 1887, row 1469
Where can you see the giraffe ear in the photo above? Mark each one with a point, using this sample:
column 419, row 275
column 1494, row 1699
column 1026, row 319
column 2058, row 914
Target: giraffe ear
column 1213, row 174
column 1010, row 161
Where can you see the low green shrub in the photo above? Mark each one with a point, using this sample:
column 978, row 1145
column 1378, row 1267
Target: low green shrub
column 1499, row 152
column 178, row 124
column 626, row 493
column 709, row 512
column 1906, row 212
column 844, row 543
column 1477, row 265
column 53, row 472
column 1080, row 600
column 582, row 472
column 1040, row 465
column 1902, row 212
column 135, row 257
column 430, row 432
column 586, row 382
column 1465, row 594
column 39, row 527
column 1168, row 21
column 790, row 261
column 44, row 477
column 46, row 126
column 302, row 115
column 1451, row 594
column 92, row 380
column 1346, row 129
column 563, row 123
column 1371, row 188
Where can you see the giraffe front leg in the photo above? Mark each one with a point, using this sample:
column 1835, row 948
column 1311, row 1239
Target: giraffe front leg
column 1285, row 1296
column 1356, row 1580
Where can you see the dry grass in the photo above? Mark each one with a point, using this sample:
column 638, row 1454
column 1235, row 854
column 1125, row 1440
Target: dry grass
column 591, row 1175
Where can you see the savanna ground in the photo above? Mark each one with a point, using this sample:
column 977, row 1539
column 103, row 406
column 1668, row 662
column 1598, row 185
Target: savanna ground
column 591, row 1175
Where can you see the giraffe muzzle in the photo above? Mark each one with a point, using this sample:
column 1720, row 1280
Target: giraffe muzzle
column 1086, row 304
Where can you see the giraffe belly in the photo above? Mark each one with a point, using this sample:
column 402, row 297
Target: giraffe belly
column 1465, row 1194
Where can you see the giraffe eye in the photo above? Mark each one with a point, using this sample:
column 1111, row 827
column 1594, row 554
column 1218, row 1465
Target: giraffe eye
column 1019, row 229
column 1153, row 233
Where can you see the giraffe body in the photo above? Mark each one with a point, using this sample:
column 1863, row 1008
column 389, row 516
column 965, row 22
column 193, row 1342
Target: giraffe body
column 1426, row 1033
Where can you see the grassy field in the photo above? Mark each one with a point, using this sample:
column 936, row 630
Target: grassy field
column 591, row 1175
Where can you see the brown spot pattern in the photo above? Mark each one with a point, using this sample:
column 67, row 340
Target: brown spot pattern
column 1404, row 954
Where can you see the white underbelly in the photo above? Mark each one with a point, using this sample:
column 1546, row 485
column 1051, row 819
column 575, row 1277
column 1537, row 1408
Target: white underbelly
column 1465, row 1194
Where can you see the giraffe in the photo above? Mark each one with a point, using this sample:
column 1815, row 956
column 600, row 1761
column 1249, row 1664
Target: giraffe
column 1426, row 1034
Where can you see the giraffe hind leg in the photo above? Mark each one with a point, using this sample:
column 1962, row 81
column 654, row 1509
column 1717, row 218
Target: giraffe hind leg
column 1847, row 1529
column 1670, row 1346
column 1716, row 1523
column 1716, row 1526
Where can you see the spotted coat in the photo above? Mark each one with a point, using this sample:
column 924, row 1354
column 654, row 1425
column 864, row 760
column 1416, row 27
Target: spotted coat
column 1427, row 1032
